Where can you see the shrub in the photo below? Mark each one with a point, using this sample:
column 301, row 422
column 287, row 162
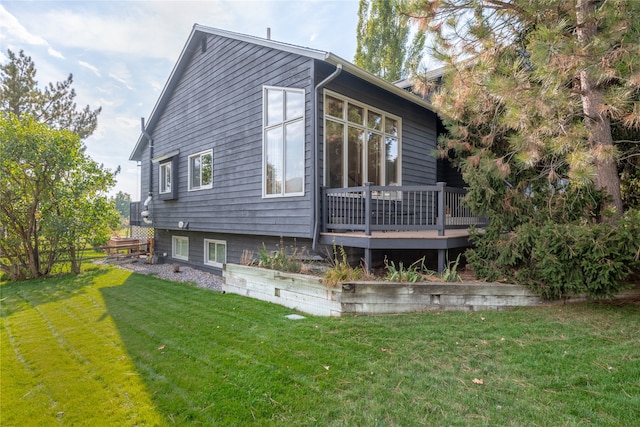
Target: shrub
column 279, row 259
column 341, row 270
column 411, row 274
column 450, row 273
column 559, row 260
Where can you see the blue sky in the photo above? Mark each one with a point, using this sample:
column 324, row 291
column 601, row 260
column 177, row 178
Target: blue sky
column 122, row 52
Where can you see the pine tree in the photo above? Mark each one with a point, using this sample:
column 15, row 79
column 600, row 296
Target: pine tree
column 54, row 106
column 536, row 87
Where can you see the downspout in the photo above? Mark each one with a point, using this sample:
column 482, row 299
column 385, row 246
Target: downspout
column 316, row 192
column 145, row 211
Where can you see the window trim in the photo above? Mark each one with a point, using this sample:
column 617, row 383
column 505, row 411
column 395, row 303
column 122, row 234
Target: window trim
column 344, row 121
column 189, row 177
column 161, row 175
column 174, row 254
column 282, row 125
column 206, row 252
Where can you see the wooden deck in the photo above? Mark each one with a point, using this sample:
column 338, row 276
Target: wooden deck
column 428, row 217
column 414, row 239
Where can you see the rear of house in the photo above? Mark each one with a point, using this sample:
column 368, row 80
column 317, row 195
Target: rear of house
column 248, row 132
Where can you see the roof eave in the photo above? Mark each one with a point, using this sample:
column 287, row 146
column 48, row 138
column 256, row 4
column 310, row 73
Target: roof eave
column 384, row 84
column 199, row 31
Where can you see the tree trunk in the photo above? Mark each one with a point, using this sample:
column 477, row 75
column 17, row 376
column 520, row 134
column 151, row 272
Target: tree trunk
column 32, row 247
column 598, row 125
column 73, row 258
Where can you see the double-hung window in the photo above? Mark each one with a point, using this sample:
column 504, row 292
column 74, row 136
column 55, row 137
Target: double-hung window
column 201, row 170
column 180, row 247
column 284, row 142
column 215, row 252
column 165, row 177
column 362, row 144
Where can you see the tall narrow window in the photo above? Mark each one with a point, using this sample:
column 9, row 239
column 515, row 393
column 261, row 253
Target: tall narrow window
column 284, row 137
column 362, row 144
column 165, row 177
column 201, row 170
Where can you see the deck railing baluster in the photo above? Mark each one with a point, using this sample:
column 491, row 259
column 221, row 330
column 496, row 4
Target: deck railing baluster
column 395, row 208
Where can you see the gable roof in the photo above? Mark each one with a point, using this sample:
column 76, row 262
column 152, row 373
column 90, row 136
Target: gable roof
column 193, row 43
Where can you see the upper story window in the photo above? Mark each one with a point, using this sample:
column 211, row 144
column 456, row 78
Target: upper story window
column 283, row 142
column 362, row 144
column 201, row 170
column 165, row 177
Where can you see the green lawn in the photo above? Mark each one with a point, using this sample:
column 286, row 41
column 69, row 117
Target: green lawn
column 114, row 348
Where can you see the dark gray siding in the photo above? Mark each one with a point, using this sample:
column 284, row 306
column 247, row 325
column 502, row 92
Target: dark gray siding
column 419, row 125
column 449, row 174
column 218, row 105
column 237, row 244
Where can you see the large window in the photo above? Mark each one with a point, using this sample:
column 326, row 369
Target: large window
column 180, row 247
column 165, row 177
column 362, row 144
column 215, row 252
column 283, row 139
column 201, row 170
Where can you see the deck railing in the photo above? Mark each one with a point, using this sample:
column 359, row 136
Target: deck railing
column 384, row 208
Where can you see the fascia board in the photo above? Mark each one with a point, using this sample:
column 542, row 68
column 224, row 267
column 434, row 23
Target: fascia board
column 198, row 31
column 388, row 86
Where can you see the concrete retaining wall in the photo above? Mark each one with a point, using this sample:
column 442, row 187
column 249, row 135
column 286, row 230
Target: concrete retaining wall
column 307, row 294
column 297, row 291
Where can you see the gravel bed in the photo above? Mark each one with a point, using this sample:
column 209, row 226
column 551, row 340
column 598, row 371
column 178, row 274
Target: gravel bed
column 200, row 278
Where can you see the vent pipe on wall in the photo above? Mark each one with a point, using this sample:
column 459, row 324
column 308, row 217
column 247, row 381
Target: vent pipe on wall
column 268, row 33
column 145, row 212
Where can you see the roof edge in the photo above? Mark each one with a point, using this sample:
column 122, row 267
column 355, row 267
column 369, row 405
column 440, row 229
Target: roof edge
column 198, row 31
column 378, row 81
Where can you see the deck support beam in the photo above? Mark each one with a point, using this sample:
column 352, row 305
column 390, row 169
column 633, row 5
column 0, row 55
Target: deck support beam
column 367, row 260
column 441, row 260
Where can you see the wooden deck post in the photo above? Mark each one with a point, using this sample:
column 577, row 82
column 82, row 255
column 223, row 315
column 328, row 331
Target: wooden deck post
column 324, row 208
column 441, row 260
column 367, row 260
column 441, row 208
column 367, row 208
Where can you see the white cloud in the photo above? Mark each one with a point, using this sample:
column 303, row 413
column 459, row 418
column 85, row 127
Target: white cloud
column 128, row 122
column 55, row 53
column 120, row 80
column 11, row 28
column 156, row 86
column 90, row 67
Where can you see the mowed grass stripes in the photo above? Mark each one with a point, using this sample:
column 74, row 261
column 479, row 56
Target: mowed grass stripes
column 113, row 348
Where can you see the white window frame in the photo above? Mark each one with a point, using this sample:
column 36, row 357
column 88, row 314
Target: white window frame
column 282, row 124
column 163, row 167
column 217, row 243
column 189, row 177
column 174, row 247
column 346, row 124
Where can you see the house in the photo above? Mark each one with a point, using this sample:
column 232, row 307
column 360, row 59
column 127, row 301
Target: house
column 255, row 141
